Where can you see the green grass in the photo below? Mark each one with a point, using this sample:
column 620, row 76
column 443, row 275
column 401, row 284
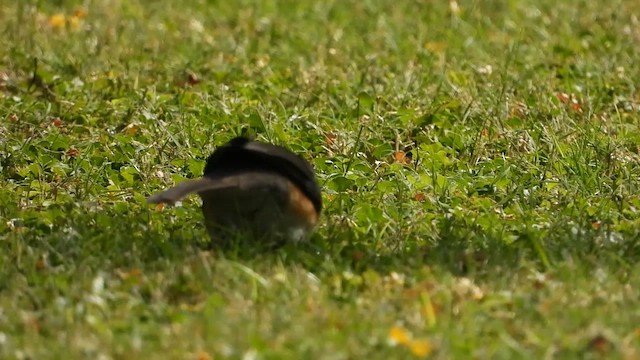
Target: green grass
column 513, row 232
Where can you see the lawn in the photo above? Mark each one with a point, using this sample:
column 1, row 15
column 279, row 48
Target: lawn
column 479, row 162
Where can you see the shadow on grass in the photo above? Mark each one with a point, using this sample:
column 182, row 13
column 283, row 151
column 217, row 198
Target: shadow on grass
column 131, row 236
column 468, row 253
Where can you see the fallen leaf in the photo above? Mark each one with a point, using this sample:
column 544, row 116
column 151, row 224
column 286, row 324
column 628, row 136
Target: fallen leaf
column 485, row 70
column 364, row 119
column 72, row 152
column 57, row 21
column 563, row 97
column 131, row 129
column 399, row 335
column 80, row 13
column 57, row 122
column 465, row 288
column 262, row 61
column 519, row 109
column 203, row 355
column 402, row 157
column 193, row 79
column 357, row 255
column 600, row 344
column 575, row 106
column 435, row 46
column 420, row 347
column 330, row 137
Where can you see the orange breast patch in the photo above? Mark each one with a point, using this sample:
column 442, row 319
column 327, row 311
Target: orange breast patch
column 301, row 205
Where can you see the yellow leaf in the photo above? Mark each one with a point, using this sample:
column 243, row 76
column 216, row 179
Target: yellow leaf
column 399, row 335
column 428, row 311
column 435, row 46
column 131, row 129
column 420, row 347
column 57, row 21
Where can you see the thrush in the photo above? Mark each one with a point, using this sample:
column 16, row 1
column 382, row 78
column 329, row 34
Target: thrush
column 253, row 190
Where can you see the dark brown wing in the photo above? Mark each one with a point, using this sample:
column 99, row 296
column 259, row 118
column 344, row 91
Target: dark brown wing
column 242, row 154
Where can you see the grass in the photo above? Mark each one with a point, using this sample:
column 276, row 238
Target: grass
column 479, row 162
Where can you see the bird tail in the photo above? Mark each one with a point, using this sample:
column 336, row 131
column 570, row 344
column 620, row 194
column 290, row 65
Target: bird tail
column 245, row 181
column 178, row 192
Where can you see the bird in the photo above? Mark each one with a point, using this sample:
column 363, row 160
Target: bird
column 253, row 190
